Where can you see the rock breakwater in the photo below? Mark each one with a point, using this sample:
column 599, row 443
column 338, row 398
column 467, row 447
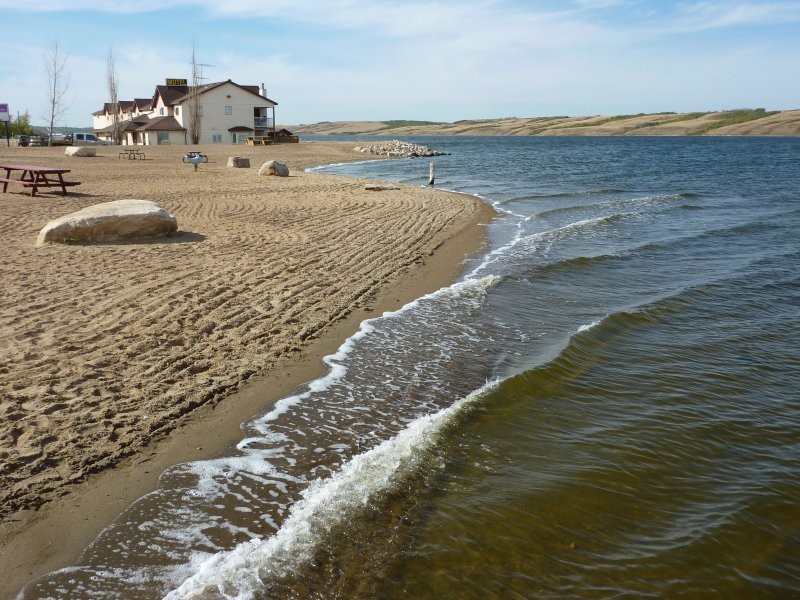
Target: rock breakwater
column 398, row 149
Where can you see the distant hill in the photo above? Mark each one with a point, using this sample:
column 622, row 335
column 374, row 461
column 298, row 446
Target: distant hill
column 45, row 129
column 730, row 122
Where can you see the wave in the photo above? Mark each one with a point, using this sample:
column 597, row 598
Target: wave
column 252, row 567
column 586, row 346
column 469, row 288
column 321, row 168
column 653, row 247
column 524, row 242
column 618, row 203
column 558, row 233
column 577, row 263
column 564, row 195
column 327, row 505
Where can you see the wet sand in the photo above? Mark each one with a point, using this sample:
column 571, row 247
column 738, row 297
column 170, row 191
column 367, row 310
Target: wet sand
column 118, row 360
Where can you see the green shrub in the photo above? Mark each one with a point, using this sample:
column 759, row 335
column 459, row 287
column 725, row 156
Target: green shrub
column 734, row 117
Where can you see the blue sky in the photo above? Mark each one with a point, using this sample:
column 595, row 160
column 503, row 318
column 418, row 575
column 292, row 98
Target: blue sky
column 334, row 60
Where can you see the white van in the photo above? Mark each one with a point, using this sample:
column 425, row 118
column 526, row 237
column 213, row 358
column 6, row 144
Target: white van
column 86, row 139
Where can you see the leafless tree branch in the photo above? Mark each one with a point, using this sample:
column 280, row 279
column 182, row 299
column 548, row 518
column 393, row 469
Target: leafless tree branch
column 55, row 64
column 112, row 82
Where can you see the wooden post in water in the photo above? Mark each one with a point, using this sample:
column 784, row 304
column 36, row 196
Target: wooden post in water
column 432, row 175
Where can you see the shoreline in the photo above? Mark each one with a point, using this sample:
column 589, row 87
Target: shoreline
column 27, row 546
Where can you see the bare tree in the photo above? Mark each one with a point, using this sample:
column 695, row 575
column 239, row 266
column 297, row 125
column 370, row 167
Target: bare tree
column 194, row 101
column 112, row 82
column 55, row 63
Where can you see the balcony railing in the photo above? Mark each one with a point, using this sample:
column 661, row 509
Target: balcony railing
column 264, row 122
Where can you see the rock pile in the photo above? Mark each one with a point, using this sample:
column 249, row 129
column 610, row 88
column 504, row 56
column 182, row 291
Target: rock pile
column 398, row 149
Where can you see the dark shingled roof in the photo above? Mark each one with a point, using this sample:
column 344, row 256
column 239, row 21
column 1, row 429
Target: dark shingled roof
column 142, row 104
column 160, row 124
column 253, row 89
column 169, row 93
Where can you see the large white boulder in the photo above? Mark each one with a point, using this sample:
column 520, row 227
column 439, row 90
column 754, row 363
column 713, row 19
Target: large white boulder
column 81, row 151
column 117, row 220
column 273, row 167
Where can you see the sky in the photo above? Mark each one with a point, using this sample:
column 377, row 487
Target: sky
column 445, row 60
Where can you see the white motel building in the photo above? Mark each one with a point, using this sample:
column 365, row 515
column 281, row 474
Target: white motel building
column 229, row 114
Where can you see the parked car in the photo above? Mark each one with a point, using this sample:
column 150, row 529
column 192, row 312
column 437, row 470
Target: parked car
column 57, row 139
column 23, row 140
column 87, row 139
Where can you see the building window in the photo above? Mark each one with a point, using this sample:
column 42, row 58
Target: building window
column 163, row 137
column 177, row 111
column 228, row 110
column 216, row 138
column 161, row 111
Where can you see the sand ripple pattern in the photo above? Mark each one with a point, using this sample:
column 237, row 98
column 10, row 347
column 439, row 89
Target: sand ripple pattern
column 103, row 347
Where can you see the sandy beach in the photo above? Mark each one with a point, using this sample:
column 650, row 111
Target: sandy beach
column 120, row 359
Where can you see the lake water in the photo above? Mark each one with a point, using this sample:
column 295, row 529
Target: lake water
column 607, row 405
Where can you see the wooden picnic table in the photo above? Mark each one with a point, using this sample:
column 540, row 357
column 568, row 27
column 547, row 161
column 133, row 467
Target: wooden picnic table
column 35, row 177
column 131, row 153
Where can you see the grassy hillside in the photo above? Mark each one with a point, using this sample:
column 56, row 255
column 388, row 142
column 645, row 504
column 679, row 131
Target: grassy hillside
column 730, row 122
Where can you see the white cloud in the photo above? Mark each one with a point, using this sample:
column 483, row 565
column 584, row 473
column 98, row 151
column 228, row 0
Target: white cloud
column 109, row 6
column 443, row 60
column 697, row 16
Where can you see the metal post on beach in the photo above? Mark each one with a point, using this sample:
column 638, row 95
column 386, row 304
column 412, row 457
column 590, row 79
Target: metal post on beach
column 432, row 177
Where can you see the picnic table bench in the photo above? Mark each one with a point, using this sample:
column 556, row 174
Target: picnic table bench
column 131, row 154
column 36, row 177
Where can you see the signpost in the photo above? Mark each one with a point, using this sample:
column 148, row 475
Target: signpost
column 4, row 117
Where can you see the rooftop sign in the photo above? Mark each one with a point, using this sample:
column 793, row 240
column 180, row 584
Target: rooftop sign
column 176, row 81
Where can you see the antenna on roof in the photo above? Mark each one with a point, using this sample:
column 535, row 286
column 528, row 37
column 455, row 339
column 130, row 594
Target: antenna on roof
column 201, row 65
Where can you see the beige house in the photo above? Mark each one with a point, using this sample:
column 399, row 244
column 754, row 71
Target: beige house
column 229, row 113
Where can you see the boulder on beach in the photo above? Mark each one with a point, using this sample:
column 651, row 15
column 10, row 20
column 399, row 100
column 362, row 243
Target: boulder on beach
column 238, row 162
column 110, row 221
column 81, row 151
column 273, row 167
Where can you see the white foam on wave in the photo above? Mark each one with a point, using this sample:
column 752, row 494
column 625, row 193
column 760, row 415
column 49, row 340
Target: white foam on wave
column 341, row 164
column 525, row 241
column 336, row 362
column 591, row 325
column 638, row 202
column 325, row 505
column 551, row 236
column 266, row 447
